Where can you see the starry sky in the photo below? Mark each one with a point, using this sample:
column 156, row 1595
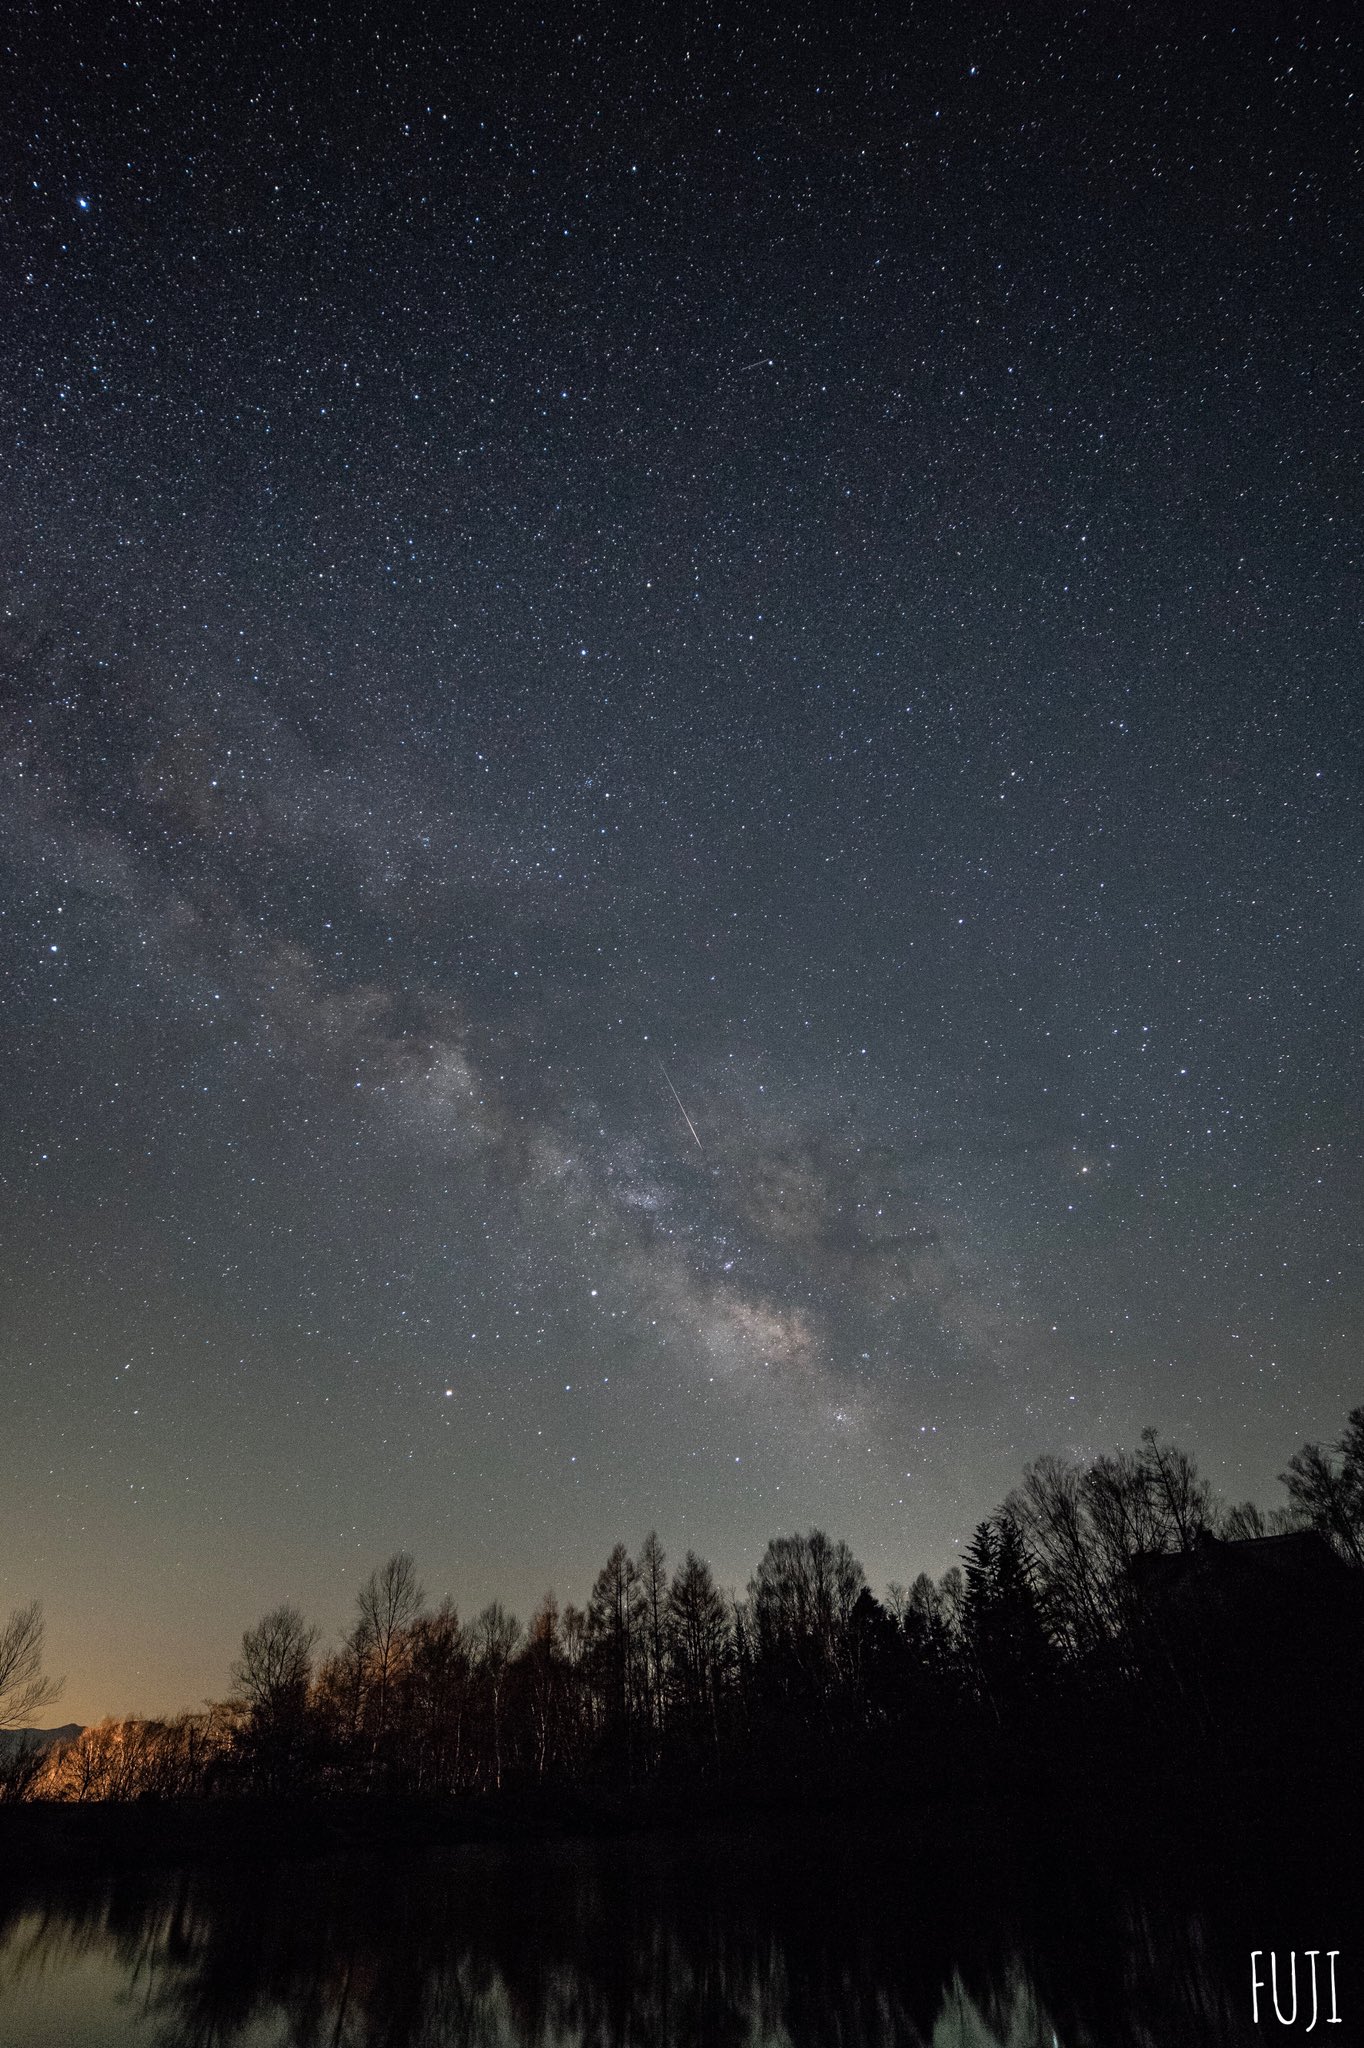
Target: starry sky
column 680, row 760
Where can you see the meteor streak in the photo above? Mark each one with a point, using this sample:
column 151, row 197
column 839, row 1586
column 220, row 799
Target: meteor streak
column 678, row 1100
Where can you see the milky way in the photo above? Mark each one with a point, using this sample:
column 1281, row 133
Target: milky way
column 806, row 570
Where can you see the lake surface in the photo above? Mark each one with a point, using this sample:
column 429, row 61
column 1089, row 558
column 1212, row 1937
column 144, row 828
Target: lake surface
column 832, row 1936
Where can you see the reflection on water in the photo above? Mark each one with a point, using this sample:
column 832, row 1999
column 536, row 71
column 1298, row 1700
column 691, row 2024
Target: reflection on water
column 776, row 1938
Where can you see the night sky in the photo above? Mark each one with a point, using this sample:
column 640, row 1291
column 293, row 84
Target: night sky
column 680, row 753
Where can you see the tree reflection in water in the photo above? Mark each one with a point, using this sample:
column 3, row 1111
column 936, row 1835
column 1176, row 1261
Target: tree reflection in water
column 809, row 1940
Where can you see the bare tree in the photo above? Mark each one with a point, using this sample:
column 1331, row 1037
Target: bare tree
column 496, row 1634
column 1086, row 1528
column 389, row 1602
column 271, row 1679
column 613, row 1627
column 802, row 1597
column 275, row 1665
column 437, row 1689
column 1184, row 1496
column 1328, row 1496
column 132, row 1759
column 24, row 1689
column 1055, row 1513
column 653, row 1601
column 543, row 1666
column 930, row 1618
column 21, row 1771
column 1244, row 1522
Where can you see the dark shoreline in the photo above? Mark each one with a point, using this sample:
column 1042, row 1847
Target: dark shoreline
column 1231, row 1814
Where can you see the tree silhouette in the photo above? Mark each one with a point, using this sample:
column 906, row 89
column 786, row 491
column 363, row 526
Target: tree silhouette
column 700, row 1652
column 1004, row 1625
column 1329, row 1496
column 802, row 1597
column 612, row 1621
column 496, row 1635
column 25, row 1691
column 652, row 1597
column 272, row 1678
column 438, row 1684
column 388, row 1603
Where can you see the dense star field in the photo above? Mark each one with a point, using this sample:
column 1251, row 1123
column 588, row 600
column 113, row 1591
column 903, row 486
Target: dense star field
column 680, row 757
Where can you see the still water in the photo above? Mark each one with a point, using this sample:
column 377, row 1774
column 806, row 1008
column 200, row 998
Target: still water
column 754, row 1939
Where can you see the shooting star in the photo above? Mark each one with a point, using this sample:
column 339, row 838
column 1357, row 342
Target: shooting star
column 762, row 363
column 678, row 1100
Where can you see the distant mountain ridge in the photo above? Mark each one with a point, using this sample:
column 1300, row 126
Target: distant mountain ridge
column 36, row 1738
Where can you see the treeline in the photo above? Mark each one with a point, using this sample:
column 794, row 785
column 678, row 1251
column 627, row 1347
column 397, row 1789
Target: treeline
column 1102, row 1608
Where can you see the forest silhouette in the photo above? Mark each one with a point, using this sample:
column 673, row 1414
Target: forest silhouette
column 1107, row 1615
